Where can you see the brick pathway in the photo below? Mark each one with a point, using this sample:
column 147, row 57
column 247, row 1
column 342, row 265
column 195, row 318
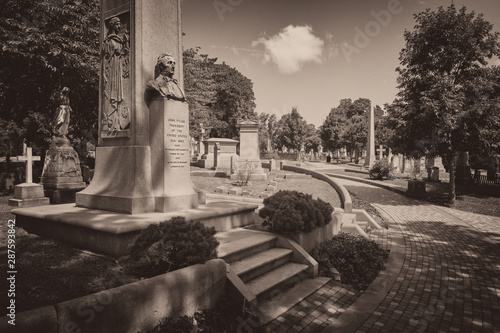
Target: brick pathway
column 449, row 279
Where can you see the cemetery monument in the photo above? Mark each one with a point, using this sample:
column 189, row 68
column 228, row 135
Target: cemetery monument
column 61, row 175
column 142, row 171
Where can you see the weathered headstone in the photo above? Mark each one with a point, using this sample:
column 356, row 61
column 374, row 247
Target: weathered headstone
column 395, row 162
column 370, row 154
column 272, row 165
column 28, row 194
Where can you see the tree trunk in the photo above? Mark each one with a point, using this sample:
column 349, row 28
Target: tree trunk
column 452, row 166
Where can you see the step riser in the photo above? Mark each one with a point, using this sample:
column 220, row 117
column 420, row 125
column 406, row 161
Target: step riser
column 282, row 286
column 258, row 271
column 246, row 252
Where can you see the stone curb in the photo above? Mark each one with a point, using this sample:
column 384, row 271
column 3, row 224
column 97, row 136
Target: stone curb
column 365, row 305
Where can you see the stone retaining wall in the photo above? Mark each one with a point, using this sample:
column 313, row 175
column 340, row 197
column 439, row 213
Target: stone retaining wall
column 130, row 308
column 341, row 190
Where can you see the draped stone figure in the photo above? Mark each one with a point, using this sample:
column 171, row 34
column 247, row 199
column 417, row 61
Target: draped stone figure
column 115, row 50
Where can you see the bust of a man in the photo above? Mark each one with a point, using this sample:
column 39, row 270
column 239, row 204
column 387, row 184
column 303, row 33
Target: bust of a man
column 164, row 83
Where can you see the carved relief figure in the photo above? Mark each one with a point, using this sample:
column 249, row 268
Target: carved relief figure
column 60, row 122
column 164, row 83
column 115, row 50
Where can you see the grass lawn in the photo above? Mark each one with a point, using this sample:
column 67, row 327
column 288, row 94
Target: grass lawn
column 437, row 193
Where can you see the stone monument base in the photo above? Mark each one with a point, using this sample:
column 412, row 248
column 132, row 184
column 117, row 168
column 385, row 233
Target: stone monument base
column 63, row 192
column 113, row 233
column 247, row 171
column 113, row 187
column 62, row 176
column 28, row 195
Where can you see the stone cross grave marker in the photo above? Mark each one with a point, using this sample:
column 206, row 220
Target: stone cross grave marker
column 29, row 159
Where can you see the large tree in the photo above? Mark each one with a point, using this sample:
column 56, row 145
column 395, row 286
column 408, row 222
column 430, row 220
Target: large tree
column 446, row 86
column 45, row 45
column 347, row 125
column 218, row 95
column 292, row 131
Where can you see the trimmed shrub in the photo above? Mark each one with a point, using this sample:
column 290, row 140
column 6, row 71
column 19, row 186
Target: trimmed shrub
column 358, row 260
column 171, row 245
column 382, row 169
column 292, row 211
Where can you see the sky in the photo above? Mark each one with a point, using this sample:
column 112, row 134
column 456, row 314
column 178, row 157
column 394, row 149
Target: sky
column 311, row 54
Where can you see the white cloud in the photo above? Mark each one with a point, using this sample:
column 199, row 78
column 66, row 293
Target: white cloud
column 291, row 48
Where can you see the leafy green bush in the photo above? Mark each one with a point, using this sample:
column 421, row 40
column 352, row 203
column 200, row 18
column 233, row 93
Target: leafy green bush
column 172, row 245
column 292, row 211
column 358, row 260
column 382, row 169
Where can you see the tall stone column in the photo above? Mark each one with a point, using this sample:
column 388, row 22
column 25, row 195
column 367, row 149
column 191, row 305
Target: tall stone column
column 370, row 153
column 131, row 40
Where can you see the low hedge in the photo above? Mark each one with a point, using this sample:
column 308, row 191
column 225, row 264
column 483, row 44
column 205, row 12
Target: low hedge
column 171, row 245
column 292, row 211
column 358, row 260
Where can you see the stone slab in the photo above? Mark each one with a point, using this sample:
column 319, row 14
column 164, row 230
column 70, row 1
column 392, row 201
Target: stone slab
column 247, row 192
column 258, row 177
column 235, row 190
column 28, row 191
column 29, row 202
column 112, row 233
column 222, row 189
column 270, row 188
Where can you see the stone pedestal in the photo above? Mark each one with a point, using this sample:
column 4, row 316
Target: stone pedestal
column 28, row 195
column 170, row 166
column 122, row 181
column 249, row 150
column 62, row 175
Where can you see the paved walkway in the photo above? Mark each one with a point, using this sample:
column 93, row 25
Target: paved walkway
column 443, row 275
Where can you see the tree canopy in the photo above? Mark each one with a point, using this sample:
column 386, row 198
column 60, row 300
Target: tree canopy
column 292, row 131
column 45, row 45
column 347, row 125
column 218, row 95
column 446, row 101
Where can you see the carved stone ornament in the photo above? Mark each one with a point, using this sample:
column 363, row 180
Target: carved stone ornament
column 115, row 71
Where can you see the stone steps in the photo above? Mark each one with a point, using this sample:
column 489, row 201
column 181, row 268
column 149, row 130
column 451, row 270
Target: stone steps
column 245, row 247
column 258, row 264
column 267, row 271
column 277, row 280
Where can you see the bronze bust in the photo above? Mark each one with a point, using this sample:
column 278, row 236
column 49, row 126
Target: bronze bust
column 164, row 83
